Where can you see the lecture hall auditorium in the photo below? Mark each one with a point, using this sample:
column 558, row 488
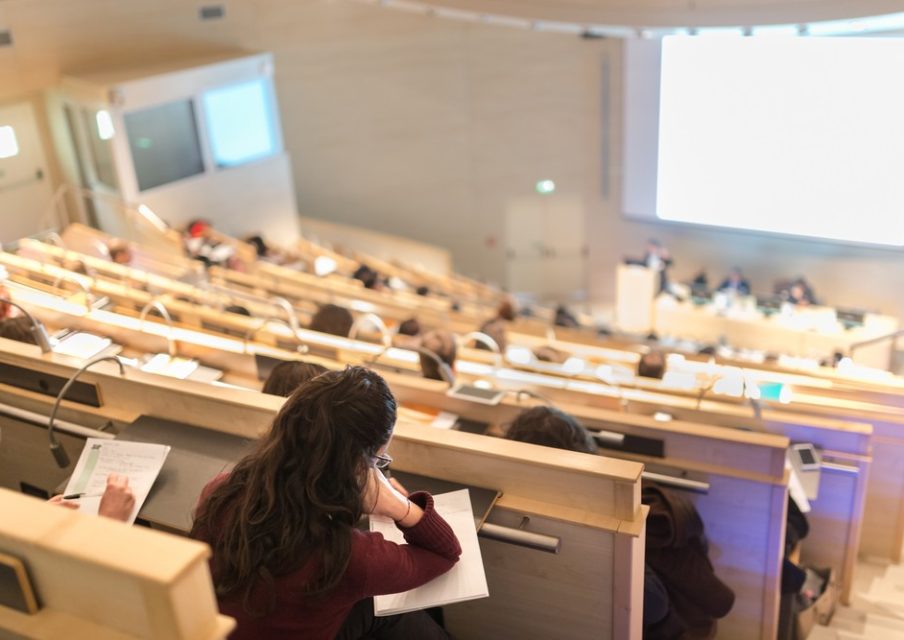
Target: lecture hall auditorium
column 451, row 319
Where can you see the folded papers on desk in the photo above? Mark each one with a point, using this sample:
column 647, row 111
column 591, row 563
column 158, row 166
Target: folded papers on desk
column 140, row 462
column 465, row 581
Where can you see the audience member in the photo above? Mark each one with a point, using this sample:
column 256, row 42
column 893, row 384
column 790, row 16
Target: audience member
column 201, row 244
column 259, row 244
column 651, row 365
column 422, row 290
column 332, row 319
column 18, row 328
column 369, row 277
column 507, row 310
column 494, row 328
column 551, row 427
column 442, row 344
column 286, row 377
column 564, row 318
column 237, row 308
column 736, row 283
column 410, row 327
column 120, row 253
column 288, row 559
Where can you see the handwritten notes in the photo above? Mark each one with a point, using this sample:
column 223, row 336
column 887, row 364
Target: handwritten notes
column 140, row 462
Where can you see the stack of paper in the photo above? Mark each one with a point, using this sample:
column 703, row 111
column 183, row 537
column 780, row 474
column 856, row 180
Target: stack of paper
column 140, row 462
column 465, row 581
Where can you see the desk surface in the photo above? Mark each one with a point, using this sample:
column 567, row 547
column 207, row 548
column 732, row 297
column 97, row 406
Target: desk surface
column 482, row 500
column 198, row 455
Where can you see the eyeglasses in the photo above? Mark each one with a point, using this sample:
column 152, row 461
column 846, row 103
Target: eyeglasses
column 382, row 461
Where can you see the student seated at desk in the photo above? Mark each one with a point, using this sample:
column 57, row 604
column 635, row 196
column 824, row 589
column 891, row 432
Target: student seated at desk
column 288, row 561
column 441, row 344
column 497, row 326
column 551, row 427
column 332, row 319
column 286, row 377
column 18, row 328
column 120, row 253
column 565, row 318
column 496, row 329
column 370, row 278
column 410, row 327
column 668, row 612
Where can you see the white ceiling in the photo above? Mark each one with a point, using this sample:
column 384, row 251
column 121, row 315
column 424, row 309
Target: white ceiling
column 670, row 13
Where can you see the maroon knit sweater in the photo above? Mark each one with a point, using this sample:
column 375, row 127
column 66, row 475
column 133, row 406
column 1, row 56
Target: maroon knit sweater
column 376, row 567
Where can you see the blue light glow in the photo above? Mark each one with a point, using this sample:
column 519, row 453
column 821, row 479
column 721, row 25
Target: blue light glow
column 240, row 123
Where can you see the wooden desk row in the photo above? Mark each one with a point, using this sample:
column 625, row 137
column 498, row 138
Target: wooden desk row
column 848, row 489
column 740, row 468
column 97, row 579
column 591, row 503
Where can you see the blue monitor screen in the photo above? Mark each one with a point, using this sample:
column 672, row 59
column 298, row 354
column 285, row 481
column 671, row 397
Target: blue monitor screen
column 240, row 123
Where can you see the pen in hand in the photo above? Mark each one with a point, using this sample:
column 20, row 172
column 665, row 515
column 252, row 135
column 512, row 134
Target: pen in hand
column 76, row 496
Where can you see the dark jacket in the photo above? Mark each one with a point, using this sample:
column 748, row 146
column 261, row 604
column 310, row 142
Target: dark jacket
column 676, row 550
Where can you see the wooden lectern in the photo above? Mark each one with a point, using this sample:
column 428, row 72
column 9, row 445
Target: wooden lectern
column 635, row 289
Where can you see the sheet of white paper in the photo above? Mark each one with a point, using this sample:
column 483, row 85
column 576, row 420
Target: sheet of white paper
column 444, row 420
column 165, row 365
column 796, row 490
column 82, row 345
column 465, row 581
column 139, row 461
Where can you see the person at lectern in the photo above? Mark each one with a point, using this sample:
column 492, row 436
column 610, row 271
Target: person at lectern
column 736, row 283
column 658, row 258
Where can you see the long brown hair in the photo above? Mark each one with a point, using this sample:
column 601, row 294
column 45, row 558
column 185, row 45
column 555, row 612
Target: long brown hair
column 297, row 496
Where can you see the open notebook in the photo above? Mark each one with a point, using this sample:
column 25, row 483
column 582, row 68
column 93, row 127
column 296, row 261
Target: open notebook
column 465, row 581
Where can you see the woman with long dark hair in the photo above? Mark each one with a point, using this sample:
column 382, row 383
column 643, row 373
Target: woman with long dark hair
column 288, row 561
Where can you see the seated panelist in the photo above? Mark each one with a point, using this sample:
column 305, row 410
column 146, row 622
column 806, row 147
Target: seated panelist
column 801, row 293
column 287, row 558
column 736, row 283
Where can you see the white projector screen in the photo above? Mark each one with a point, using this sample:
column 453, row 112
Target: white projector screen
column 801, row 136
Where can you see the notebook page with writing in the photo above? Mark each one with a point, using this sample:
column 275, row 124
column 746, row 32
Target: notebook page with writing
column 465, row 581
column 139, row 461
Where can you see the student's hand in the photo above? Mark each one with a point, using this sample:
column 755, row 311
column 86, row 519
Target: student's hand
column 67, row 504
column 118, row 499
column 382, row 499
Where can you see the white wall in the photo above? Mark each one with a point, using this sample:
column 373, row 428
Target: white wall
column 428, row 128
